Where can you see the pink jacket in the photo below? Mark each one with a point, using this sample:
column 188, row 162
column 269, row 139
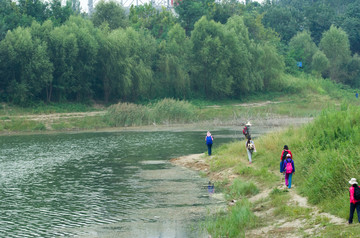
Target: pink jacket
column 352, row 199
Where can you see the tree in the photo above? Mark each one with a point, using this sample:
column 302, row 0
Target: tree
column 302, row 48
column 318, row 17
column 286, row 21
column 225, row 9
column 111, row 12
column 353, row 71
column 190, row 11
column 241, row 69
column 350, row 22
column 158, row 22
column 319, row 63
column 25, row 66
column 211, row 62
column 335, row 45
column 173, row 64
column 59, row 14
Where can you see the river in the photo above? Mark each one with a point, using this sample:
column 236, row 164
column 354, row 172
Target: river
column 104, row 184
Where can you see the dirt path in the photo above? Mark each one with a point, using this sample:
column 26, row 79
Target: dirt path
column 274, row 226
column 56, row 116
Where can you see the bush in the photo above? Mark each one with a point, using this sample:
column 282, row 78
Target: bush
column 127, row 114
column 171, row 110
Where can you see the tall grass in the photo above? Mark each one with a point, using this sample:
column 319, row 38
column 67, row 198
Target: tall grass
column 232, row 223
column 165, row 111
column 171, row 110
column 127, row 114
column 326, row 155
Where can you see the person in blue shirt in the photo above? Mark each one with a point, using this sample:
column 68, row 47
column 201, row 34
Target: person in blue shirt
column 209, row 141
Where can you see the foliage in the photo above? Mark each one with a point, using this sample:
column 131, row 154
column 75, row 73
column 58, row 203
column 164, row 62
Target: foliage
column 171, row 110
column 111, row 13
column 213, row 50
column 335, row 45
column 127, row 114
column 173, row 64
column 157, row 21
column 239, row 188
column 190, row 11
column 163, row 112
column 234, row 222
column 302, row 48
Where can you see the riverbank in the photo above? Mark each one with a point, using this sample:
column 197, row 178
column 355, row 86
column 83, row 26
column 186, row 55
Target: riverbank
column 326, row 156
column 94, row 122
column 290, row 213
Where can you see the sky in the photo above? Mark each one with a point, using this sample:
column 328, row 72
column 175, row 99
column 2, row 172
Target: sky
column 84, row 3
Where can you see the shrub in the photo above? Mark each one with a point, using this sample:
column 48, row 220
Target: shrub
column 171, row 110
column 127, row 114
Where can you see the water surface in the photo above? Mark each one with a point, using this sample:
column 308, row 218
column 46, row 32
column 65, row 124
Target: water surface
column 117, row 184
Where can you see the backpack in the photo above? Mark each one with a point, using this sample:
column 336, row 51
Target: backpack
column 209, row 140
column 245, row 131
column 284, row 155
column 357, row 193
column 289, row 167
column 250, row 146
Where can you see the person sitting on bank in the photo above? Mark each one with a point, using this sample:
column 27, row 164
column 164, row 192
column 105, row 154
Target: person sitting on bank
column 250, row 148
column 354, row 199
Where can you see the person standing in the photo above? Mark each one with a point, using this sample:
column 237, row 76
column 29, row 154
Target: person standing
column 209, row 141
column 283, row 157
column 246, row 130
column 250, row 148
column 354, row 203
column 289, row 169
column 357, row 95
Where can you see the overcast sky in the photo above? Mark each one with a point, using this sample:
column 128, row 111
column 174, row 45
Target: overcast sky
column 84, row 3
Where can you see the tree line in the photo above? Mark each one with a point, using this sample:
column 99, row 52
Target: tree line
column 54, row 53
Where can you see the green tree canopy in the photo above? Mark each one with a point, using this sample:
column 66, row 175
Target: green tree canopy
column 335, row 44
column 110, row 12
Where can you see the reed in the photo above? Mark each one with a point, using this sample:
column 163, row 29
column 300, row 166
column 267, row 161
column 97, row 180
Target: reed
column 232, row 223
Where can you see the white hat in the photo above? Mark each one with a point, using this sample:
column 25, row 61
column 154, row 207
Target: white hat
column 248, row 124
column 288, row 155
column 353, row 181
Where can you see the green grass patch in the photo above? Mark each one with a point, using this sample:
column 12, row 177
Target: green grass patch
column 22, row 125
column 262, row 175
column 239, row 188
column 232, row 223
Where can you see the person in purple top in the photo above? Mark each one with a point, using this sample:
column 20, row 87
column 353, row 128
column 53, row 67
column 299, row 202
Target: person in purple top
column 289, row 169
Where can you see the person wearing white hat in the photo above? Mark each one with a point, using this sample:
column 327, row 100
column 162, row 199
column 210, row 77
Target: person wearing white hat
column 354, row 191
column 246, row 130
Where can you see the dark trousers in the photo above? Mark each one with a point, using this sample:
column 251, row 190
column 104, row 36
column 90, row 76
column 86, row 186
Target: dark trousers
column 209, row 148
column 352, row 210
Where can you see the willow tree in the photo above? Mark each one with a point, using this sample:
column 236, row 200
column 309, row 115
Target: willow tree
column 173, row 64
column 25, row 68
column 211, row 61
column 335, row 44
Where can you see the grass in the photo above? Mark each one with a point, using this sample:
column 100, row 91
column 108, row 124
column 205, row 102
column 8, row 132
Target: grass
column 326, row 154
column 232, row 223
